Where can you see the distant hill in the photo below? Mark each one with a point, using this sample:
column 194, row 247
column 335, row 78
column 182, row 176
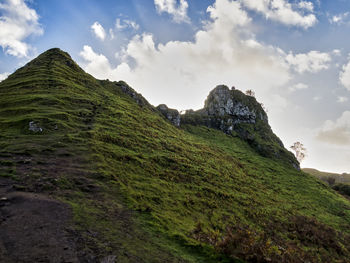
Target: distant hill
column 338, row 178
column 91, row 172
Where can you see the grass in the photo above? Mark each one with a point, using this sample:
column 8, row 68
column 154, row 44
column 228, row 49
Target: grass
column 146, row 191
column 329, row 177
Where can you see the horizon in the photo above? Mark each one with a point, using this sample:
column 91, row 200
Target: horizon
column 280, row 52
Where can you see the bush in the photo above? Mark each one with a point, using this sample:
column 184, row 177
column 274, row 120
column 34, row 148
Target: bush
column 343, row 189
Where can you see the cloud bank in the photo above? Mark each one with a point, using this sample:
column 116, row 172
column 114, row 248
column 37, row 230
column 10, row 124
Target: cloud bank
column 177, row 10
column 282, row 11
column 312, row 62
column 344, row 76
column 336, row 132
column 17, row 22
column 181, row 73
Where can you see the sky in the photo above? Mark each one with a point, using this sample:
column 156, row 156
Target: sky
column 294, row 54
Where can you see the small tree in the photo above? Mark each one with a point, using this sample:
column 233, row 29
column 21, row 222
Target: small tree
column 330, row 180
column 300, row 151
column 250, row 92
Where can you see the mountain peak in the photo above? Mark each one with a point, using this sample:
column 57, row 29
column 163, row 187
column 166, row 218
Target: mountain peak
column 53, row 60
column 55, row 50
column 55, row 55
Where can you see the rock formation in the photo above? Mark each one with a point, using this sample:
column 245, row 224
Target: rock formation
column 171, row 114
column 226, row 108
column 237, row 114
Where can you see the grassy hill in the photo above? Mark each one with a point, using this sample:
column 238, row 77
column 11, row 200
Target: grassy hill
column 126, row 185
column 338, row 178
column 339, row 182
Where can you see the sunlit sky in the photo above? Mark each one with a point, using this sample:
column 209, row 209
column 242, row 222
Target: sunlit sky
column 295, row 55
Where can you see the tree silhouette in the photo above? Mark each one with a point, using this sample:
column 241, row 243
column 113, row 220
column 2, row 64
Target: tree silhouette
column 250, row 92
column 300, row 151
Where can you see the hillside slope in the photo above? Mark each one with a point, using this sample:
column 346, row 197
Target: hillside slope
column 338, row 178
column 104, row 177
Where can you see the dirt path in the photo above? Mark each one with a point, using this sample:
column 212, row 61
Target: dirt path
column 34, row 228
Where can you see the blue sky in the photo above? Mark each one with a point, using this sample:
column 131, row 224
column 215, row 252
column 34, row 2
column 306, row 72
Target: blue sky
column 293, row 53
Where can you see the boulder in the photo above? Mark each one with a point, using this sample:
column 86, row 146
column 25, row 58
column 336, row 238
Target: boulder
column 34, row 127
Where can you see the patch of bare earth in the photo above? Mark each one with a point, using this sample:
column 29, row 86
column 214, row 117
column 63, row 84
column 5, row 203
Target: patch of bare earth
column 34, row 227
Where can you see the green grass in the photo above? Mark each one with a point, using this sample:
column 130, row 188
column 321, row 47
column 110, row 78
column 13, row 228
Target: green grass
column 144, row 190
column 325, row 176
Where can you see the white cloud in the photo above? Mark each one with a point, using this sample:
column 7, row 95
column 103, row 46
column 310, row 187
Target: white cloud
column 342, row 99
column 3, row 75
column 98, row 30
column 313, row 61
column 336, row 52
column 17, row 22
column 339, row 19
column 344, row 76
column 309, row 6
column 111, row 33
column 299, row 86
column 126, row 23
column 178, row 10
column 336, row 132
column 181, row 74
column 283, row 12
column 99, row 65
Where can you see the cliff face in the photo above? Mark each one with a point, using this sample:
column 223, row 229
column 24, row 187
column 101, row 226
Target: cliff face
column 242, row 108
column 237, row 114
column 227, row 108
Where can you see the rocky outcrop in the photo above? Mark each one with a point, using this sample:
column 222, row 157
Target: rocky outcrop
column 227, row 108
column 171, row 114
column 138, row 98
column 237, row 114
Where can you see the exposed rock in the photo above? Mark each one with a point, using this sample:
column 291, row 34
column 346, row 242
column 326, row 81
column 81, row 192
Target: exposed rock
column 171, row 114
column 237, row 114
column 225, row 109
column 242, row 109
column 34, row 127
column 138, row 98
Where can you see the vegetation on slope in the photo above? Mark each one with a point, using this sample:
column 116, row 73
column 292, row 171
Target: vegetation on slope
column 239, row 115
column 331, row 178
column 339, row 182
column 146, row 191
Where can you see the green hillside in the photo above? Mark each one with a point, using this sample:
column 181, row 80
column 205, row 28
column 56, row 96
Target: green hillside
column 339, row 182
column 338, row 178
column 139, row 189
